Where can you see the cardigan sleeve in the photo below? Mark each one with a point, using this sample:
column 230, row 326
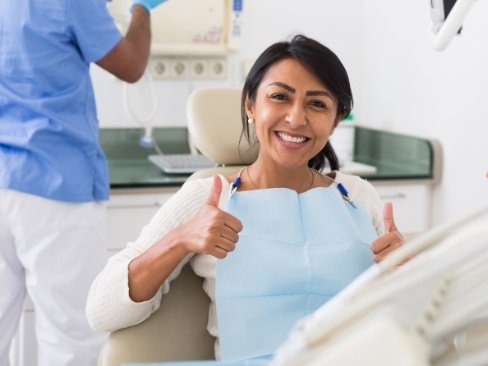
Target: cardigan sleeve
column 362, row 191
column 109, row 306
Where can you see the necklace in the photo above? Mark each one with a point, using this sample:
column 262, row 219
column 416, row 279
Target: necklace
column 257, row 187
column 325, row 177
column 340, row 187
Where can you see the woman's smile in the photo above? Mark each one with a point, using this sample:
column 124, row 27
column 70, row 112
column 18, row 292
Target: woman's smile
column 291, row 140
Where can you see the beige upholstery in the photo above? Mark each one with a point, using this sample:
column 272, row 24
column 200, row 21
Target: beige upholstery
column 177, row 330
column 214, row 124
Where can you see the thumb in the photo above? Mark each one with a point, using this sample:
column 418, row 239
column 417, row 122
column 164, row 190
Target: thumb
column 214, row 197
column 388, row 217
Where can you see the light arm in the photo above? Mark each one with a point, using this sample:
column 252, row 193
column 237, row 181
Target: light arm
column 442, row 29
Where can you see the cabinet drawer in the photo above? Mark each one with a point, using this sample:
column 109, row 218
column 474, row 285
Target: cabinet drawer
column 411, row 205
column 125, row 224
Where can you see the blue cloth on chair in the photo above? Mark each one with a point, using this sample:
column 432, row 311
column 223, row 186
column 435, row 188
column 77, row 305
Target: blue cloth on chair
column 295, row 252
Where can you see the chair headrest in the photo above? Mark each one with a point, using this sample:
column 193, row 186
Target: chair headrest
column 214, row 125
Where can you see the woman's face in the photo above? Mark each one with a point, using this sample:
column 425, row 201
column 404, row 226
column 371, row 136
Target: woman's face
column 294, row 114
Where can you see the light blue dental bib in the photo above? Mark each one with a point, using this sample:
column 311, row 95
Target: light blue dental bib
column 294, row 253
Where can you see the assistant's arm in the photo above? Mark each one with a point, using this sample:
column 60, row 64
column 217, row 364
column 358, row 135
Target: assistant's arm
column 128, row 59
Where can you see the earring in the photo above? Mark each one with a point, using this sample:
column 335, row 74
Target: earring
column 250, row 120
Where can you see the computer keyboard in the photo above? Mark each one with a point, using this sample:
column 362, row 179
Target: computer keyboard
column 181, row 163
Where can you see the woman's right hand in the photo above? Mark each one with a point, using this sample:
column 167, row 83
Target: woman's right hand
column 212, row 230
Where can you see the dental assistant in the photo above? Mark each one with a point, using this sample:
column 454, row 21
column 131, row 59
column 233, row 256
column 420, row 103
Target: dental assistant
column 277, row 241
column 53, row 174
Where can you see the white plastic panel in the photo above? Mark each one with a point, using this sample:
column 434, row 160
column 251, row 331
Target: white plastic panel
column 184, row 27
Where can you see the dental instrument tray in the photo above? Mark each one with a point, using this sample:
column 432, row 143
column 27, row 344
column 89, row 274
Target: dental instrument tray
column 181, row 163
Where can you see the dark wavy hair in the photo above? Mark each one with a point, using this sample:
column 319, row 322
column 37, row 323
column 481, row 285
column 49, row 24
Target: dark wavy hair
column 323, row 64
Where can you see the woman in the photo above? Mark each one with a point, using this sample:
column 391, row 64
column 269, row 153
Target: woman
column 274, row 244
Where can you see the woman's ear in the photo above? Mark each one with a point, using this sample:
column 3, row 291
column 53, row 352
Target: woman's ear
column 249, row 105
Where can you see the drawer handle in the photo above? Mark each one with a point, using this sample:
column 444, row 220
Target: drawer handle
column 393, row 196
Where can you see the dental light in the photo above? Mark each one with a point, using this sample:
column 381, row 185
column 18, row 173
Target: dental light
column 447, row 18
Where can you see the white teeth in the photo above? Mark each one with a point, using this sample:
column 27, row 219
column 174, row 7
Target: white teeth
column 289, row 138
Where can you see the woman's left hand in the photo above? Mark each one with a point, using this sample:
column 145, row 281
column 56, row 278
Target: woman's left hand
column 391, row 240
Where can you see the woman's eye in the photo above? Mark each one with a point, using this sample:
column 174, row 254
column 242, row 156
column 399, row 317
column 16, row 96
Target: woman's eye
column 278, row 96
column 318, row 104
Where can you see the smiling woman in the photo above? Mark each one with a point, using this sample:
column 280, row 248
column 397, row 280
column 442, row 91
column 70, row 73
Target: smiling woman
column 322, row 65
column 280, row 240
column 294, row 115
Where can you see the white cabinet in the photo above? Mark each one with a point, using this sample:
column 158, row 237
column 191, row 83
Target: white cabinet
column 127, row 212
column 411, row 204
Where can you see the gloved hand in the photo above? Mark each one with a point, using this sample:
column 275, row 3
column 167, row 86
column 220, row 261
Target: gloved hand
column 148, row 4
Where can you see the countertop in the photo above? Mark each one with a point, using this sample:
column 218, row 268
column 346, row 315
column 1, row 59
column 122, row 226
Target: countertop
column 395, row 156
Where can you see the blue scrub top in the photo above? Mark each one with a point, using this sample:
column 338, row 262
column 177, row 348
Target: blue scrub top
column 48, row 119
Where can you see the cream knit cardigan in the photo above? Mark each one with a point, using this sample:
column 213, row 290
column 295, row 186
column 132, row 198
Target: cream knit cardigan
column 109, row 306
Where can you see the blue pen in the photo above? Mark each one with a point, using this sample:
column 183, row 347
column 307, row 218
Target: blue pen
column 236, row 183
column 345, row 194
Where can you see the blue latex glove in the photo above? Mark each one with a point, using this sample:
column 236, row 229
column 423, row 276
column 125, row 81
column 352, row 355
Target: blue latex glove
column 148, row 4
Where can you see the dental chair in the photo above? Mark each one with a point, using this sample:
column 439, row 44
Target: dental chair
column 177, row 330
column 216, row 131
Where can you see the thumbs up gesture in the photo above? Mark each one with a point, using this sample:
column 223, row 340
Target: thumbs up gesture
column 392, row 238
column 212, row 230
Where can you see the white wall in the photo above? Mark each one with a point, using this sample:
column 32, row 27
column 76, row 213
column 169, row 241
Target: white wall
column 336, row 23
column 400, row 83
column 409, row 87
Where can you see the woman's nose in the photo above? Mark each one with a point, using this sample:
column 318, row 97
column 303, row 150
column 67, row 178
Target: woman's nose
column 296, row 116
